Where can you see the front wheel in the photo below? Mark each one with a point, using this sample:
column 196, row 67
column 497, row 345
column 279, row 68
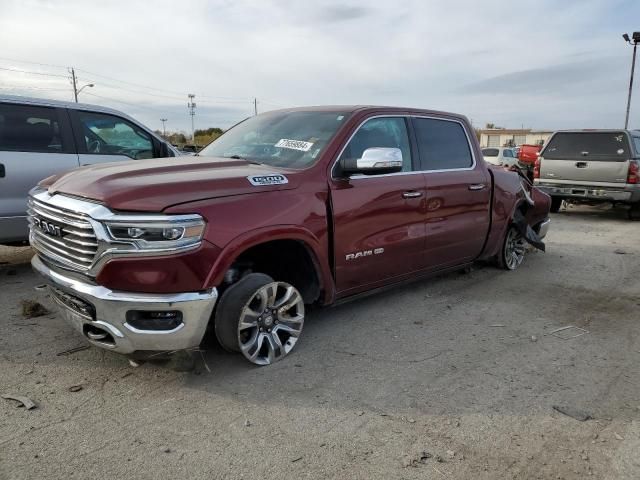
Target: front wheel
column 513, row 249
column 261, row 318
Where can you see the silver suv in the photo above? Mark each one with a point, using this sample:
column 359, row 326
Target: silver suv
column 39, row 138
column 591, row 166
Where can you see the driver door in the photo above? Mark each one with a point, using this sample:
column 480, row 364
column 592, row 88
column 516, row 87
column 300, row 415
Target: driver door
column 102, row 138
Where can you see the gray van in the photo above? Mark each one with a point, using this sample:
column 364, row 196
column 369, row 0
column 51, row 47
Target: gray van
column 39, row 138
column 591, row 166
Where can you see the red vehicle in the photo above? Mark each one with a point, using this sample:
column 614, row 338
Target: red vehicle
column 286, row 209
column 527, row 156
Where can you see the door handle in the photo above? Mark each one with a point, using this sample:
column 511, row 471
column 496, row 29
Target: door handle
column 411, row 194
column 3, row 172
column 477, row 186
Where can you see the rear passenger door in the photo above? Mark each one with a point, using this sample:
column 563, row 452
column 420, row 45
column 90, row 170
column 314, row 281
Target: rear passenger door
column 102, row 137
column 35, row 143
column 458, row 192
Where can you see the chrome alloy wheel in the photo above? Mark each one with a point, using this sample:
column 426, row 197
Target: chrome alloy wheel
column 270, row 323
column 514, row 249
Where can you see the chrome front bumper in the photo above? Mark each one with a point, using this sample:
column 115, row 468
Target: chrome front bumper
column 100, row 314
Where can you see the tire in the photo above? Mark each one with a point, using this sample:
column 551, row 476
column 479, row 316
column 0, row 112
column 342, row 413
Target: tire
column 634, row 211
column 513, row 249
column 260, row 317
column 556, row 203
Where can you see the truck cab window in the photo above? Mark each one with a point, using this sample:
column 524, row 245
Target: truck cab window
column 443, row 144
column 390, row 132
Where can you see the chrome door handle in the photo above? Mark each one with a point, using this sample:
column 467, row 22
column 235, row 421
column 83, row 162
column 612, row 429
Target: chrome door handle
column 411, row 194
column 477, row 186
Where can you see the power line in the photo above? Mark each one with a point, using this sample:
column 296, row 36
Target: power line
column 32, row 63
column 16, row 70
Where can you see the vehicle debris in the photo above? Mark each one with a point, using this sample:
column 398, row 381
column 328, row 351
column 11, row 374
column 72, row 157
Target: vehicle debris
column 31, row 309
column 564, row 333
column 574, row 413
column 25, row 402
column 73, row 350
column 75, row 388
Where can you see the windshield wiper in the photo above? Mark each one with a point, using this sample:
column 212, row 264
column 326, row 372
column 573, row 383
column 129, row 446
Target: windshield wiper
column 238, row 157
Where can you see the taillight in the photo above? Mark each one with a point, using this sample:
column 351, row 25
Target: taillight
column 633, row 175
column 536, row 168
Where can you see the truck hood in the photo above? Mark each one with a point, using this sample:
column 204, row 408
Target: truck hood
column 154, row 185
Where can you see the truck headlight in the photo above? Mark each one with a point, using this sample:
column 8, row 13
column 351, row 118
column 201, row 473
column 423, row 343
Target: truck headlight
column 154, row 234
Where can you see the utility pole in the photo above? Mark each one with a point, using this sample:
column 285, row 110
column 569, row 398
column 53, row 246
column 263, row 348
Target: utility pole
column 192, row 111
column 636, row 39
column 75, row 87
column 255, row 106
column 164, row 130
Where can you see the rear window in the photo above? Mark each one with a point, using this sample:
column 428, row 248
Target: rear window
column 599, row 146
column 636, row 140
column 490, row 152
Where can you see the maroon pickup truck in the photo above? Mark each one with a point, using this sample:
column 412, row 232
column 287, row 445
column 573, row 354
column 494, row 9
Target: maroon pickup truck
column 289, row 208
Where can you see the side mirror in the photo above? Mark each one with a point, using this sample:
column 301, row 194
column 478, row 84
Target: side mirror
column 374, row 160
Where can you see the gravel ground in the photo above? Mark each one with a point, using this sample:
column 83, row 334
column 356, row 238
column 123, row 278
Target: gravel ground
column 455, row 377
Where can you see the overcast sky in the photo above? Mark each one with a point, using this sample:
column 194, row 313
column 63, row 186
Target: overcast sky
column 544, row 64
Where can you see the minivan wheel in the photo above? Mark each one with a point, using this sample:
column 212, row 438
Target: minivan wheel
column 513, row 249
column 556, row 203
column 260, row 318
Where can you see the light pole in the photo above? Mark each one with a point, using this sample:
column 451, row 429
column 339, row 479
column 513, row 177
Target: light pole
column 164, row 130
column 634, row 40
column 192, row 111
column 90, row 85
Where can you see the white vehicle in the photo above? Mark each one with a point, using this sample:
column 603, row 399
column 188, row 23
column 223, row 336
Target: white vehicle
column 501, row 156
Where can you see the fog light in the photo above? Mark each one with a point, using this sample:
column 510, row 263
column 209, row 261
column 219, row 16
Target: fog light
column 154, row 320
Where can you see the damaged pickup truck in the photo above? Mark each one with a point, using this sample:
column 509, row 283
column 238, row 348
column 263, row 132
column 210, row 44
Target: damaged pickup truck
column 287, row 209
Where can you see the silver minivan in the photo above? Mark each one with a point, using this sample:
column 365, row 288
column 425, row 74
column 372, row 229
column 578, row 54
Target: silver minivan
column 39, row 138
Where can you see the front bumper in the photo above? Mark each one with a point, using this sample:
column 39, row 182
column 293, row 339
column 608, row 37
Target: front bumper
column 100, row 314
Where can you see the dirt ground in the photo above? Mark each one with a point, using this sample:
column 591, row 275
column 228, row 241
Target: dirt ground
column 455, row 377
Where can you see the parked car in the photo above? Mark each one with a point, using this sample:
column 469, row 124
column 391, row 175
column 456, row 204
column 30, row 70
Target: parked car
column 39, row 138
column 500, row 156
column 286, row 209
column 591, row 166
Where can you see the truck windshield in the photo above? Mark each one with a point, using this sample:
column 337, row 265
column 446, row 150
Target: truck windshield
column 595, row 145
column 281, row 139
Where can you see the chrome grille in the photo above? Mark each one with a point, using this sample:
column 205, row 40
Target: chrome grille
column 63, row 236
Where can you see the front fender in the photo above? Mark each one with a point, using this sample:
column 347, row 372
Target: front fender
column 255, row 237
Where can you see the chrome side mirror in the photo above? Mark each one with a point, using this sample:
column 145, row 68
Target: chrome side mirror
column 374, row 161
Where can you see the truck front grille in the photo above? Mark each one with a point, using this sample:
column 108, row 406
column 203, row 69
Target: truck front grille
column 65, row 237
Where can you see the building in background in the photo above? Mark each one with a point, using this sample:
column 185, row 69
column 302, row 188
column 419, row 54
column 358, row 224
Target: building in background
column 505, row 137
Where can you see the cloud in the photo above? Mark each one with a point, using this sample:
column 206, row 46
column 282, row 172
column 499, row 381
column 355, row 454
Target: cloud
column 538, row 62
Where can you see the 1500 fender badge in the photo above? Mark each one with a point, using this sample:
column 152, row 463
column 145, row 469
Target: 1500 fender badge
column 268, row 179
column 364, row 253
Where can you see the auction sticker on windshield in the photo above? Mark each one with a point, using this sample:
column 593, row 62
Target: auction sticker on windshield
column 294, row 144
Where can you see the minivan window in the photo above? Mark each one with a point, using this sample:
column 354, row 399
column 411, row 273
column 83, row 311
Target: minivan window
column 25, row 128
column 289, row 139
column 105, row 134
column 596, row 145
column 443, row 144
